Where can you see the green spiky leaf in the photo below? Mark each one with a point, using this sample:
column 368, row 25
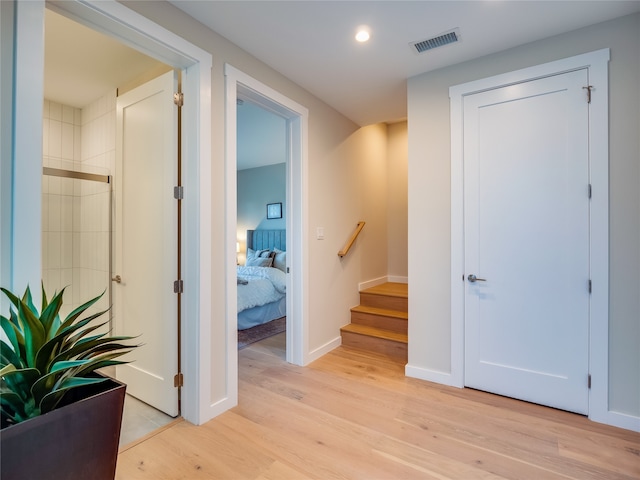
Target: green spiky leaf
column 42, row 357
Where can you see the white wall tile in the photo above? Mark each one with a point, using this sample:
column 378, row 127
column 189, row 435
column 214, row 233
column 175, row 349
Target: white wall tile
column 54, row 213
column 66, row 280
column 55, row 185
column 45, row 212
column 55, row 139
column 45, row 251
column 67, row 141
column 55, row 111
column 66, row 185
column 45, row 137
column 76, row 236
column 54, row 251
column 68, row 114
column 66, row 213
column 77, row 143
column 66, row 250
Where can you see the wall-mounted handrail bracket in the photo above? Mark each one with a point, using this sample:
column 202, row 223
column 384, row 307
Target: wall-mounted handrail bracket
column 349, row 243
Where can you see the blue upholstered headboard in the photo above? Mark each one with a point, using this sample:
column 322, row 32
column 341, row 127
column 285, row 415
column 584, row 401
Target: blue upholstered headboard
column 263, row 239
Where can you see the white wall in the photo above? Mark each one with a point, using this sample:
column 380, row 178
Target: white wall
column 397, row 232
column 429, row 197
column 340, row 157
column 6, row 133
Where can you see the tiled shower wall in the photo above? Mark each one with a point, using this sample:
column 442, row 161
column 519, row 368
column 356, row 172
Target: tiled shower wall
column 75, row 213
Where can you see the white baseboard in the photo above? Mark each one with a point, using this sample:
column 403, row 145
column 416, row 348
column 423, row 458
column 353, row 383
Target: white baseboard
column 616, row 419
column 430, row 375
column 372, row 283
column 380, row 280
column 220, row 407
column 397, row 279
column 324, row 349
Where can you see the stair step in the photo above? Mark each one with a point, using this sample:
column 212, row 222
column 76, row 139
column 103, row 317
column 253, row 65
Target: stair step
column 375, row 332
column 377, row 340
column 382, row 318
column 384, row 312
column 391, row 295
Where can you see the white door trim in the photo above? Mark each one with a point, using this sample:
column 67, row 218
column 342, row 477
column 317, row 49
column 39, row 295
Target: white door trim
column 296, row 215
column 118, row 21
column 597, row 65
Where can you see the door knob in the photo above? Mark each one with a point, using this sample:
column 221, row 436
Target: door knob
column 117, row 279
column 472, row 278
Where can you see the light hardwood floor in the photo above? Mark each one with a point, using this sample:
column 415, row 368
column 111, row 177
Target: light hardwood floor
column 354, row 415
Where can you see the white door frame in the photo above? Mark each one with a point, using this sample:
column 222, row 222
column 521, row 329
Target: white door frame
column 118, row 21
column 597, row 65
column 296, row 216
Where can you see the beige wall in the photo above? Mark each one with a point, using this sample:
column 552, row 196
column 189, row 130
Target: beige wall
column 345, row 186
column 429, row 197
column 397, row 158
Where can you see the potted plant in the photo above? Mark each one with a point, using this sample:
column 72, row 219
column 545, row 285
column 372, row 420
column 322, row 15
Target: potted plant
column 60, row 418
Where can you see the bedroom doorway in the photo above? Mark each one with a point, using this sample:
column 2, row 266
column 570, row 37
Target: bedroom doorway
column 294, row 208
column 261, row 185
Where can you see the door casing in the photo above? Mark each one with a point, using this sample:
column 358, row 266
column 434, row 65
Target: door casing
column 597, row 65
column 122, row 23
column 296, row 216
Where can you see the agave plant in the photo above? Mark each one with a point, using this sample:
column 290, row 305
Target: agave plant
column 45, row 356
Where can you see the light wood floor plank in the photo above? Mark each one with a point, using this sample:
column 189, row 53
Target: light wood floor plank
column 354, row 415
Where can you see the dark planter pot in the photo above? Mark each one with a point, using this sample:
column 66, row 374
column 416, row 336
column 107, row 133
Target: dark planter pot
column 76, row 441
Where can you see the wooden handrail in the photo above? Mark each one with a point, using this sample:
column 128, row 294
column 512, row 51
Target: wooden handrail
column 348, row 245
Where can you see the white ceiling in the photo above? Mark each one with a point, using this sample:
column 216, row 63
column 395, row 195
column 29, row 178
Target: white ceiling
column 312, row 42
column 81, row 65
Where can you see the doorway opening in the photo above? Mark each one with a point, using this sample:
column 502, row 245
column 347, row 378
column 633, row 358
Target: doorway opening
column 261, row 163
column 240, row 85
column 130, row 28
column 81, row 211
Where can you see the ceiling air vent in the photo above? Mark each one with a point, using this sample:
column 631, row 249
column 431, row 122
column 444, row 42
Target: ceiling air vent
column 440, row 41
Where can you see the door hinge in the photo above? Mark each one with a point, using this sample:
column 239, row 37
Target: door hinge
column 589, row 190
column 589, row 381
column 178, row 192
column 588, row 88
column 178, row 286
column 589, row 285
column 178, row 99
column 178, row 380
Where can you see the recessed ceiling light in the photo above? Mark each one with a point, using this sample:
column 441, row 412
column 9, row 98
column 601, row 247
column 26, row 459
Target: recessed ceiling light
column 363, row 34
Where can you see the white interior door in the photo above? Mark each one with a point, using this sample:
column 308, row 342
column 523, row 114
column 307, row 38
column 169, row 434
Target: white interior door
column 526, row 202
column 146, row 240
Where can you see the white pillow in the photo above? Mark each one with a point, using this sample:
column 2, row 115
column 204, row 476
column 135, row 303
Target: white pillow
column 280, row 259
column 251, row 254
column 259, row 262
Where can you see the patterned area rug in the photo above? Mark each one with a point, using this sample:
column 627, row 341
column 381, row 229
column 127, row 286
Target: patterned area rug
column 260, row 332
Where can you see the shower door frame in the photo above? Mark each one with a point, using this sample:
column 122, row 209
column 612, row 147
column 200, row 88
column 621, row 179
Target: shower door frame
column 94, row 177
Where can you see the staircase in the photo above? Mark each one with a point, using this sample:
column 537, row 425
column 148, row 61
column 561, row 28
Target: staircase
column 379, row 323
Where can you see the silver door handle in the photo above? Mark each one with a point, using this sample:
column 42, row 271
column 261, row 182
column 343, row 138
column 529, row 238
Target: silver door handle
column 117, row 279
column 472, row 278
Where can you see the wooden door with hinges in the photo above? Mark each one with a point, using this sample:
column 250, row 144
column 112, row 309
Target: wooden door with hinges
column 147, row 245
column 526, row 209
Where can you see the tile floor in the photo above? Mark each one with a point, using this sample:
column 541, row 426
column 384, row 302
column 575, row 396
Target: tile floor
column 139, row 419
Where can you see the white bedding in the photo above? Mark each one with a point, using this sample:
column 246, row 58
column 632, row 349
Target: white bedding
column 264, row 285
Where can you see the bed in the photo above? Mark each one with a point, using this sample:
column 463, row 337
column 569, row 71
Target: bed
column 262, row 280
